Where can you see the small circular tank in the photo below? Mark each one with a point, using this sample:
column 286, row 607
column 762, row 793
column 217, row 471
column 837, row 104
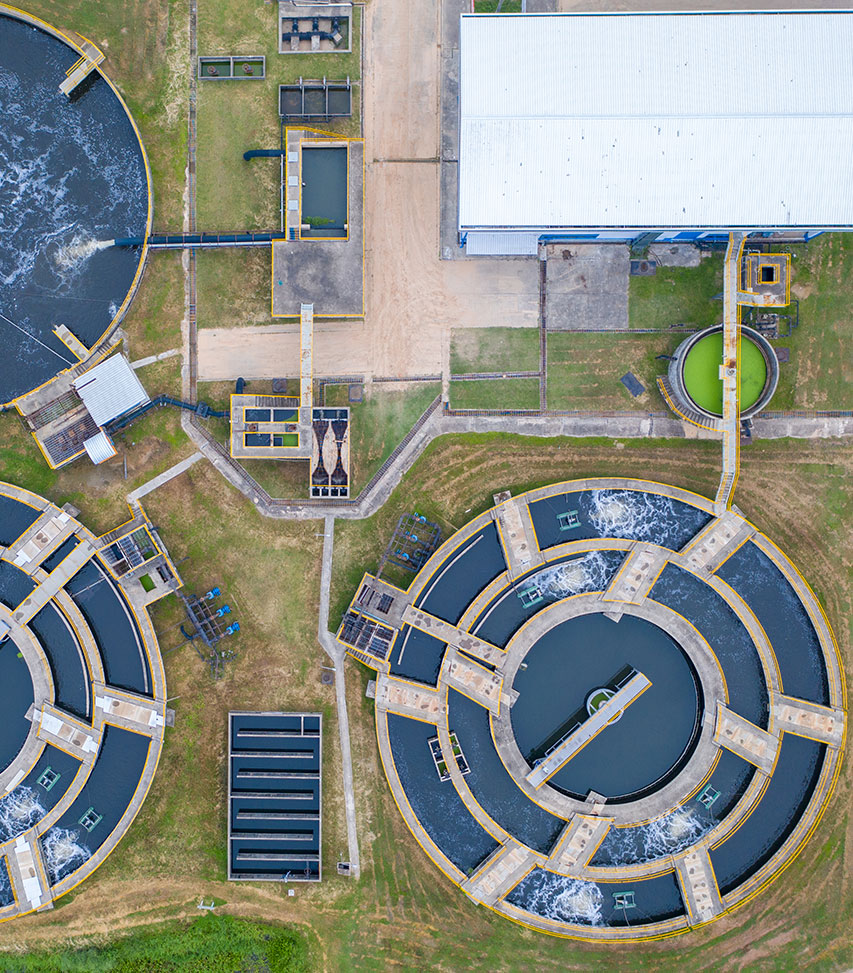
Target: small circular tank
column 694, row 372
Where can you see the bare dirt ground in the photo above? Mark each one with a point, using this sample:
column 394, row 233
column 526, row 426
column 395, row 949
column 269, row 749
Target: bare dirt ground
column 412, row 296
column 340, row 348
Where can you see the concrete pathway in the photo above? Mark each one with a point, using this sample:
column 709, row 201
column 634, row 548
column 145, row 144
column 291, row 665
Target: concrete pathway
column 730, row 372
column 151, row 359
column 437, row 423
column 164, row 477
column 335, row 651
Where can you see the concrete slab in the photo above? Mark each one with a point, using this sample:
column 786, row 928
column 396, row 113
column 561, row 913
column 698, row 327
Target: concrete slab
column 272, row 351
column 637, row 575
column 473, row 680
column 810, row 720
column 517, row 536
column 586, row 287
column 699, row 886
column 577, row 843
column 52, row 584
column 745, row 739
column 714, row 543
column 469, row 644
column 40, row 540
column 503, row 869
column 129, row 710
column 27, row 873
column 65, row 731
column 326, row 273
column 407, row 699
column 676, row 254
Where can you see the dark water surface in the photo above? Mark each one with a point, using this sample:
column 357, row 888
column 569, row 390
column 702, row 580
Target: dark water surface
column 71, row 174
column 654, row 734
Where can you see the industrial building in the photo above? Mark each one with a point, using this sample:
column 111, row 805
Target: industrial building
column 666, row 126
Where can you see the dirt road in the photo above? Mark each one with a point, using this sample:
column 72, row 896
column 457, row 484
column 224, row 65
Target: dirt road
column 413, row 298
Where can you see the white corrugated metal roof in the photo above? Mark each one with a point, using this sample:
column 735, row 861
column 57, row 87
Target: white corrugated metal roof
column 110, row 389
column 99, row 447
column 656, row 120
column 502, row 244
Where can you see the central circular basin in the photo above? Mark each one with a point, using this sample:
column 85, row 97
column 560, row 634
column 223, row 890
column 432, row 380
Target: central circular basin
column 702, row 373
column 566, row 670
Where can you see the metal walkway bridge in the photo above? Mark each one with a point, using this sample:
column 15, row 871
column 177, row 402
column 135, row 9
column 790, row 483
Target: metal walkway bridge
column 730, row 372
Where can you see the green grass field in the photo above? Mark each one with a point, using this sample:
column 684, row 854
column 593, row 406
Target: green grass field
column 819, row 374
column 234, row 116
column 210, row 944
column 494, row 350
column 379, row 423
column 584, row 370
column 497, row 393
column 677, row 296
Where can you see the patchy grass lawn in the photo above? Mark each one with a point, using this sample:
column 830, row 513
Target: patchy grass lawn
column 677, row 296
column 233, row 287
column 494, row 350
column 380, row 422
column 269, row 571
column 151, row 445
column 584, row 369
column 820, row 372
column 801, row 922
column 498, row 393
column 153, row 322
column 233, row 194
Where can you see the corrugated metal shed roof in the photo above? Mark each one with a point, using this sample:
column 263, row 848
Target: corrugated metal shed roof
column 110, row 389
column 502, row 244
column 100, row 447
column 656, row 120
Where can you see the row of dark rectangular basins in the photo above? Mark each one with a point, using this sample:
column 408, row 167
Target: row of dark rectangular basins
column 275, row 797
column 315, row 101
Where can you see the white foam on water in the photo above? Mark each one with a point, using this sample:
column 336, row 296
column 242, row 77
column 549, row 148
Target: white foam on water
column 19, row 811
column 79, row 248
column 591, row 572
column 661, row 838
column 635, row 515
column 672, row 833
column 63, row 852
column 567, row 900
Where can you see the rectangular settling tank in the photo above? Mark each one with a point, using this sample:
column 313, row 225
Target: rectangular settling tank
column 324, row 192
column 274, row 797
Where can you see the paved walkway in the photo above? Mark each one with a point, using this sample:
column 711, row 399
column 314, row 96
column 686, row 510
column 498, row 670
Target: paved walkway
column 335, row 651
column 164, row 477
column 378, row 491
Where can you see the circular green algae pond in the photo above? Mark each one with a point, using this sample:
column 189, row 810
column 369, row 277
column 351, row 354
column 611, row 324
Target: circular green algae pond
column 701, row 372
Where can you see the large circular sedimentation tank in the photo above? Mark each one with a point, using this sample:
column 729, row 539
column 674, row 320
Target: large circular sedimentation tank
column 73, row 176
column 83, row 696
column 609, row 713
column 695, row 366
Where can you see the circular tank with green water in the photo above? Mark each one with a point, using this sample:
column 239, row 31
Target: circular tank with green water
column 694, row 373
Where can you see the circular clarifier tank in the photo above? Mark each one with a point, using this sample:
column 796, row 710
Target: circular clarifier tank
column 650, row 739
column 694, row 372
column 74, row 178
column 604, row 739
